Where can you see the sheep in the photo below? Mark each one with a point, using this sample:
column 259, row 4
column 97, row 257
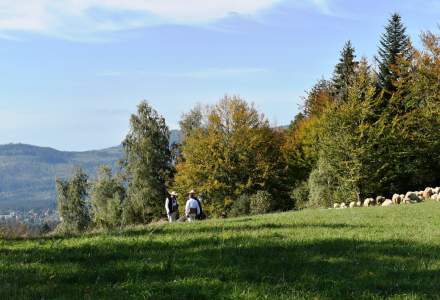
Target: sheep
column 387, row 202
column 412, row 196
column 406, row 200
column 336, row 205
column 359, row 204
column 380, row 199
column 343, row 205
column 369, row 202
column 396, row 199
column 352, row 204
column 427, row 193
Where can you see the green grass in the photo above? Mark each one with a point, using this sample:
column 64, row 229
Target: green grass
column 368, row 253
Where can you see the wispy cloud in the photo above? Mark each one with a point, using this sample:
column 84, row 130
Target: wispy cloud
column 219, row 73
column 82, row 19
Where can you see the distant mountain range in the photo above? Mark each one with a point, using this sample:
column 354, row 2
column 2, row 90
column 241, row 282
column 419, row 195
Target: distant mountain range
column 27, row 173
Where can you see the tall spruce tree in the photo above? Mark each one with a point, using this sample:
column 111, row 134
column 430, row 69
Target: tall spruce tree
column 394, row 45
column 344, row 72
column 147, row 164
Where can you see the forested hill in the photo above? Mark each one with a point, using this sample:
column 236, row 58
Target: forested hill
column 27, row 173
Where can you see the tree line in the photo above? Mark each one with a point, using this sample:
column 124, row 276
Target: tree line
column 372, row 129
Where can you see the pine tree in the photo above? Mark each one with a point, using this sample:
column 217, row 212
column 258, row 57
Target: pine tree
column 344, row 71
column 147, row 165
column 394, row 44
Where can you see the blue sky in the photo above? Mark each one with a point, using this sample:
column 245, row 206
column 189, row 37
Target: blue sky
column 73, row 71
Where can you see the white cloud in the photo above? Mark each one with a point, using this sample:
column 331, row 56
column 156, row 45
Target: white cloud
column 89, row 16
column 84, row 18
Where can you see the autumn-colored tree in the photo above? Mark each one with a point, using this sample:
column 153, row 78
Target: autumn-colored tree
column 236, row 152
column 320, row 96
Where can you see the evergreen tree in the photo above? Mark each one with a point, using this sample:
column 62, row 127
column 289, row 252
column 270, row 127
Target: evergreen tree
column 147, row 164
column 394, row 45
column 344, row 72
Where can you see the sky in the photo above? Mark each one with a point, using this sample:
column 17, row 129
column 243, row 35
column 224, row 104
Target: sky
column 72, row 71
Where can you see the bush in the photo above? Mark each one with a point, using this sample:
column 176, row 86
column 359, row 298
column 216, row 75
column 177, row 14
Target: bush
column 261, row 203
column 300, row 195
column 241, row 207
column 318, row 189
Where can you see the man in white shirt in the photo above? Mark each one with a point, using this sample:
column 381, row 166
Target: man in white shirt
column 172, row 207
column 192, row 208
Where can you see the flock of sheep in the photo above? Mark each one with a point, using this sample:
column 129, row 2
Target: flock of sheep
column 410, row 197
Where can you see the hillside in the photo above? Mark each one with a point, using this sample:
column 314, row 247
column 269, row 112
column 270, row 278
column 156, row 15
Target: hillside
column 368, row 253
column 27, row 173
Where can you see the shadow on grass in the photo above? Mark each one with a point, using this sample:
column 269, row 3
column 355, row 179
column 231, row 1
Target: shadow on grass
column 215, row 268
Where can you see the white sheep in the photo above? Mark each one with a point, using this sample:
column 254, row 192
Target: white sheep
column 387, row 202
column 396, row 199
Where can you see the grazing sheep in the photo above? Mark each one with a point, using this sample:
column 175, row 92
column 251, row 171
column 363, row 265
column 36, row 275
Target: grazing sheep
column 413, row 196
column 343, row 205
column 436, row 190
column 359, row 204
column 380, row 200
column 352, row 204
column 396, row 199
column 387, row 202
column 435, row 197
column 368, row 202
column 406, row 200
column 336, row 205
column 427, row 193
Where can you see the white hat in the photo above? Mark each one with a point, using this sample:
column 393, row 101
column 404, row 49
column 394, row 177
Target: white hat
column 192, row 192
column 173, row 193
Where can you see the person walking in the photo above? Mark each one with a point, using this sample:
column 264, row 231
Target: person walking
column 193, row 207
column 172, row 207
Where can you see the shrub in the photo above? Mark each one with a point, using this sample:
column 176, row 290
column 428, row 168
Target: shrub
column 241, row 207
column 300, row 195
column 261, row 203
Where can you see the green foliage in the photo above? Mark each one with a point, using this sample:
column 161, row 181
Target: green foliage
column 261, row 202
column 301, row 195
column 318, row 98
column 241, row 207
column 236, row 152
column 147, row 165
column 191, row 121
column 73, row 206
column 107, row 196
column 394, row 45
column 345, row 72
column 387, row 253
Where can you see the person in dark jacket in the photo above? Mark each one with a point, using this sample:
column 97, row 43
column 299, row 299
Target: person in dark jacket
column 172, row 207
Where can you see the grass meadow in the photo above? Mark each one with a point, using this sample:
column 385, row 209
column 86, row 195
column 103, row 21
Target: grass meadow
column 363, row 253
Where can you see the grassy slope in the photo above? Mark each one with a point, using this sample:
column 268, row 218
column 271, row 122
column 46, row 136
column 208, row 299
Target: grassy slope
column 327, row 254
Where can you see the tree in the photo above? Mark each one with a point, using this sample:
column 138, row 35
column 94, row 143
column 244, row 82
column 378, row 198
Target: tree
column 191, row 121
column 318, row 98
column 344, row 72
column 236, row 152
column 107, row 196
column 394, row 44
column 73, row 203
column 147, row 165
